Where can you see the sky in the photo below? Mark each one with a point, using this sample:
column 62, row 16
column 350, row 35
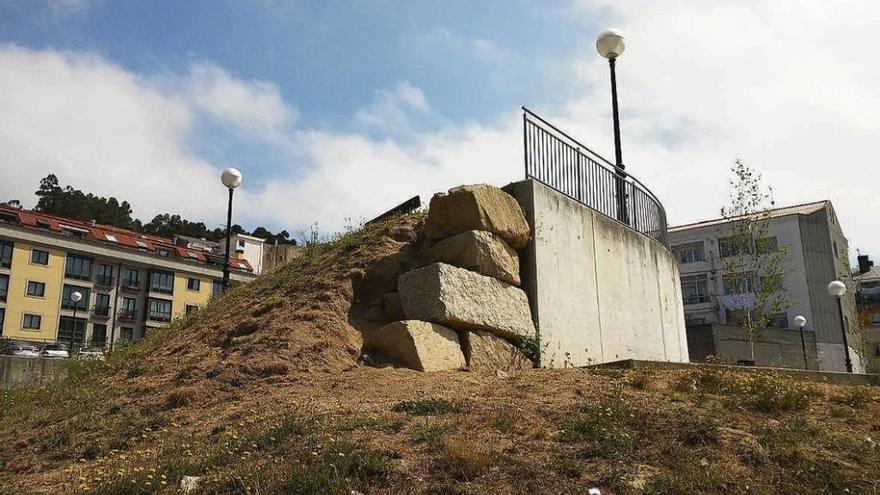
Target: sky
column 337, row 111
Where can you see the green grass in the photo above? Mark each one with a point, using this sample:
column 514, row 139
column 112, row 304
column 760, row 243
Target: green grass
column 426, row 407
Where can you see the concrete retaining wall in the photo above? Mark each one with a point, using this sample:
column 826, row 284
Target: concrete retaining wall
column 599, row 291
column 22, row 371
column 773, row 347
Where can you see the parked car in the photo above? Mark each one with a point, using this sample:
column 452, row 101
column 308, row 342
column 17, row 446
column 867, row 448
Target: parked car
column 95, row 353
column 22, row 349
column 54, row 351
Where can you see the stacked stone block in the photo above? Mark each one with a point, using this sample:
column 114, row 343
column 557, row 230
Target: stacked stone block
column 471, row 288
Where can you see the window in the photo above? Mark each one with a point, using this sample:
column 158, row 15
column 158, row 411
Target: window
column 241, row 243
column 695, row 288
column 36, row 289
column 67, row 293
column 160, row 310
column 111, row 237
column 78, row 267
column 766, row 245
column 216, row 287
column 131, row 279
column 126, row 334
column 190, row 309
column 193, row 284
column 876, row 347
column 778, row 320
column 102, row 304
column 39, row 257
column 71, row 329
column 31, row 322
column 162, row 282
column 5, row 254
column 731, row 246
column 99, row 335
column 129, row 308
column 162, row 252
column 875, row 320
column 739, row 283
column 4, row 287
column 689, row 253
column 104, row 275
column 2, row 318
column 141, row 245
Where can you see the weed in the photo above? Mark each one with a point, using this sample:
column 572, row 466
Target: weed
column 431, row 434
column 854, row 397
column 641, row 379
column 504, row 420
column 426, row 407
column 602, row 425
column 362, row 422
column 698, row 431
column 465, row 460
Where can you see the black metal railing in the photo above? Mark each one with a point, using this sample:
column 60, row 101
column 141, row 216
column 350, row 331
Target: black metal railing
column 557, row 160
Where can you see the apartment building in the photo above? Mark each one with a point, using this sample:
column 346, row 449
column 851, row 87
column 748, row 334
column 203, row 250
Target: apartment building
column 867, row 281
column 815, row 252
column 130, row 282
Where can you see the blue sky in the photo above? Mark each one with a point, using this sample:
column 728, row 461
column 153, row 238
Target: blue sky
column 338, row 110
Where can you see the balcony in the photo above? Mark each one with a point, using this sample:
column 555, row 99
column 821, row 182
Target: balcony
column 101, row 311
column 131, row 285
column 156, row 316
column 104, row 280
column 127, row 315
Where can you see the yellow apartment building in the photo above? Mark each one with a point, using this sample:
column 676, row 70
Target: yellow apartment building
column 129, row 282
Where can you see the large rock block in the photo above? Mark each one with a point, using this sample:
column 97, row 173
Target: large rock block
column 479, row 251
column 419, row 345
column 486, row 352
column 465, row 300
column 477, row 207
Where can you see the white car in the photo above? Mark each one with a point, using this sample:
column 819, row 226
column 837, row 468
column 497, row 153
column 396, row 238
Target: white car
column 94, row 353
column 22, row 349
column 54, row 351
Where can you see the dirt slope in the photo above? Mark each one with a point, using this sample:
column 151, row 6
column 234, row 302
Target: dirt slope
column 262, row 393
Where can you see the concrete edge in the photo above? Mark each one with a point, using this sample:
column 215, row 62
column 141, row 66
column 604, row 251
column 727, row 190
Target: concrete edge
column 831, row 377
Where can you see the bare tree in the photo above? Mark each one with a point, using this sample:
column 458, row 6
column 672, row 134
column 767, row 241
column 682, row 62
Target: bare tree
column 750, row 257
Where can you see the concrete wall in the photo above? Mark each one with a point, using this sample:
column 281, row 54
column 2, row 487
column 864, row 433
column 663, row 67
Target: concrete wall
column 22, row 371
column 773, row 347
column 599, row 291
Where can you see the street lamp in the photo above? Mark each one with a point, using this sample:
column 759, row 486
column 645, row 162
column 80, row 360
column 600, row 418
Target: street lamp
column 231, row 178
column 800, row 321
column 76, row 296
column 610, row 45
column 837, row 289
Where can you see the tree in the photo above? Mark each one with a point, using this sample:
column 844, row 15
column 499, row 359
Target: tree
column 73, row 203
column 750, row 257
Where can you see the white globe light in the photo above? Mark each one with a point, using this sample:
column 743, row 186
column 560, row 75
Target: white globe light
column 800, row 321
column 837, row 288
column 610, row 43
column 76, row 296
column 231, row 178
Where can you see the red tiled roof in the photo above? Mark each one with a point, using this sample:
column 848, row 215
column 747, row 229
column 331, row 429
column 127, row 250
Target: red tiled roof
column 125, row 238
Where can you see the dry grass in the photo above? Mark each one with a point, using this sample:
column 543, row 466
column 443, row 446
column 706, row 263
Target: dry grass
column 261, row 393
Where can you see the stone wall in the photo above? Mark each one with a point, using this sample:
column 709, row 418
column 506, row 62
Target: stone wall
column 463, row 307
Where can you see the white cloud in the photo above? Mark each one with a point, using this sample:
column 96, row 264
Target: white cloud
column 392, row 109
column 255, row 107
column 788, row 89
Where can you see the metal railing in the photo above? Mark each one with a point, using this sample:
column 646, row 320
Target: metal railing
column 557, row 160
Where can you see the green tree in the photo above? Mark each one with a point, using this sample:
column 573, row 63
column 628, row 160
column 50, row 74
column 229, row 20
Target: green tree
column 73, row 203
column 750, row 257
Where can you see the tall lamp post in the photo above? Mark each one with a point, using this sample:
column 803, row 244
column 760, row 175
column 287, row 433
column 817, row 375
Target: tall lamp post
column 231, row 178
column 610, row 45
column 837, row 289
column 76, row 296
column 800, row 321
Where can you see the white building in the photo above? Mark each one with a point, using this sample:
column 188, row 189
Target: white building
column 815, row 253
column 247, row 247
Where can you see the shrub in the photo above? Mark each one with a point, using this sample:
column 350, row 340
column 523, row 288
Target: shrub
column 603, row 426
column 771, row 392
column 465, row 460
